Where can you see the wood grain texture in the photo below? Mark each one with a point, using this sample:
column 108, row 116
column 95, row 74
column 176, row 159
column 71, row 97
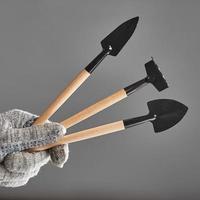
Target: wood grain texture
column 62, row 97
column 85, row 134
column 95, row 108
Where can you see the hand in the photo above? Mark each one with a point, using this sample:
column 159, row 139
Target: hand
column 18, row 166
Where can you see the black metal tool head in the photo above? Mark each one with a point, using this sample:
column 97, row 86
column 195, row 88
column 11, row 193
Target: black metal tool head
column 155, row 76
column 119, row 37
column 167, row 113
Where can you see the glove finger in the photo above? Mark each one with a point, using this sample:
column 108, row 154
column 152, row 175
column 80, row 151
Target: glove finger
column 6, row 176
column 13, row 183
column 59, row 155
column 20, row 139
column 10, row 179
column 19, row 117
column 31, row 121
column 24, row 162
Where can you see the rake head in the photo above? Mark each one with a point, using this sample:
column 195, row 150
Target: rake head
column 154, row 76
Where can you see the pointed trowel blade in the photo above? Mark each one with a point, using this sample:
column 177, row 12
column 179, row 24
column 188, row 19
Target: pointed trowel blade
column 168, row 113
column 119, row 37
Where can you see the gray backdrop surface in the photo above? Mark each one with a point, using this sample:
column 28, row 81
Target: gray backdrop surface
column 44, row 44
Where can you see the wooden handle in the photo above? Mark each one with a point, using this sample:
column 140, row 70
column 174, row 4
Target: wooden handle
column 85, row 134
column 63, row 96
column 95, row 108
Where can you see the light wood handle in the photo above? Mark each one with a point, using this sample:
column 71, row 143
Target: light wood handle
column 63, row 96
column 85, row 134
column 95, row 108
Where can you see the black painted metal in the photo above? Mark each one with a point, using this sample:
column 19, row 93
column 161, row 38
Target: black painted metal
column 136, row 121
column 163, row 114
column 135, row 86
column 154, row 76
column 114, row 42
column 168, row 113
column 119, row 37
column 96, row 61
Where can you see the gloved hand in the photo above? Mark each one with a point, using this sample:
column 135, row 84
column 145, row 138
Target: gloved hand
column 18, row 166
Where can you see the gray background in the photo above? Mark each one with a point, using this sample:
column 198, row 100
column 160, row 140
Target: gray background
column 44, row 44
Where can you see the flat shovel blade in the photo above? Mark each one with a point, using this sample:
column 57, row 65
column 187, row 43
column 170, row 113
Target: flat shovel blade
column 119, row 37
column 168, row 113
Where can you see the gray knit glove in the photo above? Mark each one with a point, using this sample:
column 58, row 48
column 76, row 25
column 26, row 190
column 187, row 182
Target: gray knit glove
column 18, row 166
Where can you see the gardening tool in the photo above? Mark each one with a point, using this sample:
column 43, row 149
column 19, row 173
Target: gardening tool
column 154, row 76
column 111, row 45
column 163, row 114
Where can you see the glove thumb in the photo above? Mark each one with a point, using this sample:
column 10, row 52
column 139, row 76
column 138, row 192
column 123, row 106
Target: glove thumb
column 19, row 139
